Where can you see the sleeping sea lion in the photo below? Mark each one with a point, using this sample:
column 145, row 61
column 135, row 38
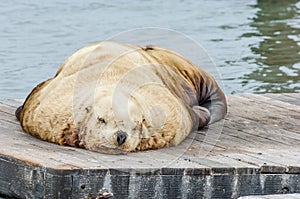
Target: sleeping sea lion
column 116, row 98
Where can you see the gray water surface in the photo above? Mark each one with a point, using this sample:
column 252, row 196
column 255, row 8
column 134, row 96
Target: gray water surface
column 255, row 44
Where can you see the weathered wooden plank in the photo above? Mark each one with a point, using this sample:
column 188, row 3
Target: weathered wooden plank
column 277, row 196
column 294, row 95
column 243, row 152
column 289, row 98
column 12, row 102
column 282, row 114
column 256, row 152
column 250, row 128
column 55, row 156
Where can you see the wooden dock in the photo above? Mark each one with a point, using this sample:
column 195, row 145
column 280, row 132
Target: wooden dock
column 256, row 152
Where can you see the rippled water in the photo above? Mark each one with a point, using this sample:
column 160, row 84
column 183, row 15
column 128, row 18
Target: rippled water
column 255, row 44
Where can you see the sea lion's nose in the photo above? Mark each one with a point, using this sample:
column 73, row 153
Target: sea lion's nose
column 121, row 137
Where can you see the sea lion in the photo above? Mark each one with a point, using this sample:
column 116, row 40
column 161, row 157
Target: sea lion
column 115, row 98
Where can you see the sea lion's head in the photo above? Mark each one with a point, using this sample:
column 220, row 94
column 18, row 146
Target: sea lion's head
column 114, row 126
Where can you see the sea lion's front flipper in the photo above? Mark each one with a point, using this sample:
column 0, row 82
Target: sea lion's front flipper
column 18, row 112
column 203, row 115
column 71, row 137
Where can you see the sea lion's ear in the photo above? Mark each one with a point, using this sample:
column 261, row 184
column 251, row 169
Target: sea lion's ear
column 148, row 47
column 203, row 115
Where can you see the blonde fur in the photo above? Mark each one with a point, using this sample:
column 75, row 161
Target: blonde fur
column 108, row 87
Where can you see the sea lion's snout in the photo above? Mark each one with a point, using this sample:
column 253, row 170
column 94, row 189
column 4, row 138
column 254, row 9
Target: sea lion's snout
column 121, row 137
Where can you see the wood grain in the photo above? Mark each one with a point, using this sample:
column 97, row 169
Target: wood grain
column 255, row 150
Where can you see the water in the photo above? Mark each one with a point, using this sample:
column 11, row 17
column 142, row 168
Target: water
column 255, row 44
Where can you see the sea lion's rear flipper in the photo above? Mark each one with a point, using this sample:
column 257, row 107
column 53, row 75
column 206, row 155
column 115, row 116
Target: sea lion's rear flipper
column 18, row 112
column 216, row 105
column 203, row 116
